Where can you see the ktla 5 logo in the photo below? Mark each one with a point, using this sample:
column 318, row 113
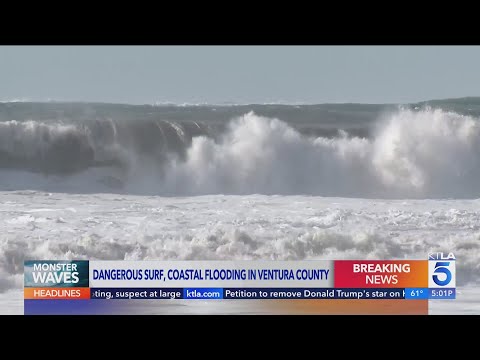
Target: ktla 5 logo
column 441, row 270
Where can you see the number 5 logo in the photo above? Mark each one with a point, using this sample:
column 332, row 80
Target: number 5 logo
column 441, row 267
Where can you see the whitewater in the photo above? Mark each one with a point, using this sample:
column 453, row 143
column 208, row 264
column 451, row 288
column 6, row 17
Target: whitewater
column 260, row 182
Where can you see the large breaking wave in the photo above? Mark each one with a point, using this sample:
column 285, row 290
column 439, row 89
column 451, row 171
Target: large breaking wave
column 425, row 153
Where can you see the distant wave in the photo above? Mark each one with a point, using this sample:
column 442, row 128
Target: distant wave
column 14, row 100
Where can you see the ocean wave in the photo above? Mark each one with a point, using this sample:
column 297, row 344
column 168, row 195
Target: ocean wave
column 428, row 153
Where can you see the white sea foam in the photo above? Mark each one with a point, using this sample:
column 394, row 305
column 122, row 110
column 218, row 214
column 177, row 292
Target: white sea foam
column 413, row 154
column 118, row 227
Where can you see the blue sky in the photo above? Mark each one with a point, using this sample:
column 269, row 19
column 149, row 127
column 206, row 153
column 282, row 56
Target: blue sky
column 240, row 74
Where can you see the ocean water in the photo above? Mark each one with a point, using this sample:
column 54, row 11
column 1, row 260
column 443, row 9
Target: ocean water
column 334, row 181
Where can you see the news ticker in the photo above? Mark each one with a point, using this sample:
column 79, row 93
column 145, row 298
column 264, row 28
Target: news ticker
column 433, row 278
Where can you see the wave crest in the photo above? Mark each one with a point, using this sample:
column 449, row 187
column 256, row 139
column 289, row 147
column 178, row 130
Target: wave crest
column 419, row 154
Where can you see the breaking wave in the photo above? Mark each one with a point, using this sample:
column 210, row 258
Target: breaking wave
column 429, row 153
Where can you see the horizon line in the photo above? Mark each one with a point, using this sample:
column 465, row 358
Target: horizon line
column 226, row 103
